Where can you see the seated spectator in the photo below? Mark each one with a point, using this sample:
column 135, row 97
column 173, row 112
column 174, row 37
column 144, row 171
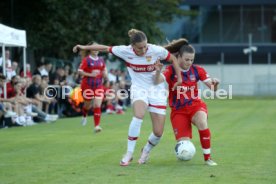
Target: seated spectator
column 34, row 92
column 40, row 70
column 28, row 71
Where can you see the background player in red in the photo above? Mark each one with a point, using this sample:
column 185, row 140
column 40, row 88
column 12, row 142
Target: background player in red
column 93, row 73
column 140, row 57
column 186, row 106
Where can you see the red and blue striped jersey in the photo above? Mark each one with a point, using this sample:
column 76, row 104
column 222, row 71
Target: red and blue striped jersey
column 187, row 93
column 93, row 65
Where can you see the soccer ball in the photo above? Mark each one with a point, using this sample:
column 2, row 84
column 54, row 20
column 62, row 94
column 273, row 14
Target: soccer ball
column 185, row 150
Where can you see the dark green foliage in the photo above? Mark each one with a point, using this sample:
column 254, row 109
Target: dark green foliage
column 54, row 26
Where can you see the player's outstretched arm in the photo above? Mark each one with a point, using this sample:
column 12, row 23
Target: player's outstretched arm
column 94, row 47
column 177, row 71
column 158, row 78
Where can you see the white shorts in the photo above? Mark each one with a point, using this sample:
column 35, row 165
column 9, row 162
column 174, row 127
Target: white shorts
column 155, row 97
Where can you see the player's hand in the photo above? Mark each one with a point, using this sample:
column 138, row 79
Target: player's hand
column 94, row 73
column 214, row 84
column 76, row 48
column 158, row 65
column 215, row 81
column 178, row 83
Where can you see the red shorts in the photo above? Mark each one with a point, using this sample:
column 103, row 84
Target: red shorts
column 182, row 119
column 88, row 93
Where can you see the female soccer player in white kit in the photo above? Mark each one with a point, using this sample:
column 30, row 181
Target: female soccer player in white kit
column 140, row 58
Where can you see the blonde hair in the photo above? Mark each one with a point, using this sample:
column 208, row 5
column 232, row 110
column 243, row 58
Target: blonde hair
column 136, row 36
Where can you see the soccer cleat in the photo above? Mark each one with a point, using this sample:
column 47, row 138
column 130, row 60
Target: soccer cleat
column 144, row 157
column 210, row 162
column 126, row 159
column 83, row 121
column 97, row 129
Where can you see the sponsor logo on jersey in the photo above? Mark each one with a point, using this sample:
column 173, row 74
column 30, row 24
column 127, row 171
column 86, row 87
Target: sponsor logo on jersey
column 141, row 68
column 150, row 68
column 185, row 88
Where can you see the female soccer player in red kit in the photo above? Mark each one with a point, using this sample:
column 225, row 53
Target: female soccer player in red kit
column 140, row 57
column 93, row 72
column 186, row 107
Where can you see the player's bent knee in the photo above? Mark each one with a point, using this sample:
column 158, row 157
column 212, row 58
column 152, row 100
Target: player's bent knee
column 158, row 133
column 201, row 125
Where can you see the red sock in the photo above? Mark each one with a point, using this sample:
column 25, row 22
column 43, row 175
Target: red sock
column 84, row 111
column 205, row 140
column 97, row 115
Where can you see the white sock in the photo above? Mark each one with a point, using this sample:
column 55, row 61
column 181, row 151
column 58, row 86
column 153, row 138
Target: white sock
column 152, row 141
column 133, row 133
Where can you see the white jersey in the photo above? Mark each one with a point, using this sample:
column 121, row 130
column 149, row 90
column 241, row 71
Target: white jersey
column 8, row 63
column 141, row 68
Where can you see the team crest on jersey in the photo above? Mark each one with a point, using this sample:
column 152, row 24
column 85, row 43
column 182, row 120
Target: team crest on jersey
column 148, row 58
column 192, row 77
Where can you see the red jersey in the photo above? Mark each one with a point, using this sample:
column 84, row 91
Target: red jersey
column 96, row 66
column 187, row 93
column 10, row 91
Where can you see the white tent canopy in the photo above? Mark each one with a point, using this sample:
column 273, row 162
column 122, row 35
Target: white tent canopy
column 12, row 38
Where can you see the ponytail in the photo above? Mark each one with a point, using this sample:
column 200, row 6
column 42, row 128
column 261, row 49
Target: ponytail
column 180, row 46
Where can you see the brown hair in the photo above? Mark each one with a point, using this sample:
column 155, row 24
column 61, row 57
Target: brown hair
column 136, row 36
column 3, row 77
column 85, row 53
column 180, row 46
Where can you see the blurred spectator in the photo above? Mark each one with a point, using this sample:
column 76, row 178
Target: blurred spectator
column 59, row 77
column 8, row 65
column 69, row 76
column 40, row 70
column 14, row 68
column 34, row 92
column 28, row 71
column 7, row 57
column 112, row 76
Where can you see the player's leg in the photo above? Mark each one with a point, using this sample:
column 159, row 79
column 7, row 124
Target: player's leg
column 87, row 97
column 139, row 102
column 85, row 109
column 97, row 113
column 199, row 119
column 158, row 121
column 181, row 125
column 139, row 109
column 157, row 109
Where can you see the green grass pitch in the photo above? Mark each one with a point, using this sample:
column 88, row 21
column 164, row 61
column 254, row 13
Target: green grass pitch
column 243, row 144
